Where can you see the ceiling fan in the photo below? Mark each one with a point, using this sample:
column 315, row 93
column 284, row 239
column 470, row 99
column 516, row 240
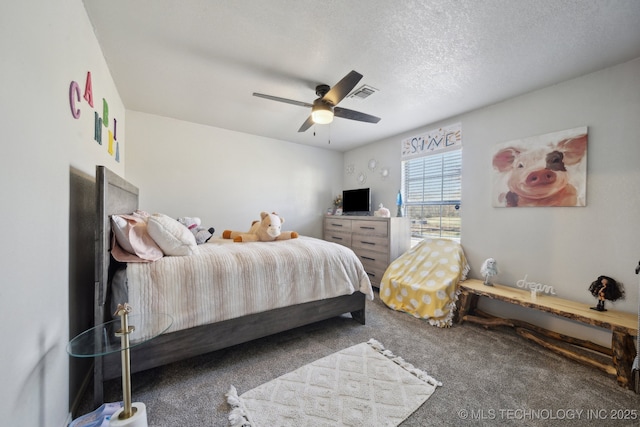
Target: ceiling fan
column 325, row 106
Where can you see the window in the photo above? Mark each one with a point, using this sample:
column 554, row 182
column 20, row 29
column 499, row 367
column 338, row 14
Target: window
column 431, row 186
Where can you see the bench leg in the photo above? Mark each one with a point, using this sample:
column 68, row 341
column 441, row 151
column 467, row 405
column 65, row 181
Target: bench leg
column 624, row 351
column 467, row 304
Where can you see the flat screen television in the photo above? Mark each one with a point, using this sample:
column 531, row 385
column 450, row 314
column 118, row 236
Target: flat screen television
column 356, row 202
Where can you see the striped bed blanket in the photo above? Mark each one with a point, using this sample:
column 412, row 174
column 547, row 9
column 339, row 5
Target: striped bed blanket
column 228, row 280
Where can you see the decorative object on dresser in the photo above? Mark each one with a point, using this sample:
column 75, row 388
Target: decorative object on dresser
column 382, row 211
column 399, row 204
column 377, row 241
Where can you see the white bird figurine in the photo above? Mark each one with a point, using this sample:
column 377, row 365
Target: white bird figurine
column 488, row 270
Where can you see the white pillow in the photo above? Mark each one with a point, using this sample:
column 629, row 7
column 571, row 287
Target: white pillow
column 172, row 237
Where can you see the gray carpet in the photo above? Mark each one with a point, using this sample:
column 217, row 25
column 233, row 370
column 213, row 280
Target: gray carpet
column 490, row 377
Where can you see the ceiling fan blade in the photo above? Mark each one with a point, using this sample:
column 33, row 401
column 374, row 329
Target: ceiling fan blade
column 354, row 115
column 342, row 88
column 285, row 100
column 306, row 125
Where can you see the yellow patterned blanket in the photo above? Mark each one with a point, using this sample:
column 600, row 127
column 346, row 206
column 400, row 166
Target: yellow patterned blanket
column 423, row 281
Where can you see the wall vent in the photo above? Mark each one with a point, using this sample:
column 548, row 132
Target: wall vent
column 363, row 92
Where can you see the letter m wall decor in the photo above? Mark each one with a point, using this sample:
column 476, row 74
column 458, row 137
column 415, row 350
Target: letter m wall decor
column 544, row 170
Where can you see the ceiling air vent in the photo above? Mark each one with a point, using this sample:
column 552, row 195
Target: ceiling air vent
column 363, row 92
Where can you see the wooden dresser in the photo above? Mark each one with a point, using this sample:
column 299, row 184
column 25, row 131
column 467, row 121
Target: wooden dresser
column 376, row 241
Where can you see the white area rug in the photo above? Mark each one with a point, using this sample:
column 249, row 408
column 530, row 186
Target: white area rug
column 363, row 385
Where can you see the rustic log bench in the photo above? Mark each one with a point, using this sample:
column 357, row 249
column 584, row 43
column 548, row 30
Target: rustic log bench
column 616, row 361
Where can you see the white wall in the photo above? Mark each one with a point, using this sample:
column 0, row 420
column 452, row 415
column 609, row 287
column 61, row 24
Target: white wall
column 227, row 178
column 566, row 248
column 386, row 154
column 44, row 46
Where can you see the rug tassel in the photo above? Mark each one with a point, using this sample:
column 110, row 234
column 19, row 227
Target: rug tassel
column 237, row 416
column 422, row 375
column 232, row 397
column 375, row 344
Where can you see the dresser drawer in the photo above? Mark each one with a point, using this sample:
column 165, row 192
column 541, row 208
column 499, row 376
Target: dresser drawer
column 371, row 259
column 379, row 228
column 337, row 224
column 369, row 242
column 375, row 275
column 338, row 237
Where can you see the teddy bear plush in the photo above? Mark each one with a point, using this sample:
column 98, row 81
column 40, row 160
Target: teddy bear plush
column 268, row 229
column 201, row 233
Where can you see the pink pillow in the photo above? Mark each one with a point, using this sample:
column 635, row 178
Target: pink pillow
column 132, row 242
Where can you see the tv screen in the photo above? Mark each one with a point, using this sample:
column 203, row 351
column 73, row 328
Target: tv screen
column 356, row 202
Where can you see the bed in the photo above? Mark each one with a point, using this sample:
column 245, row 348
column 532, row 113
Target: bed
column 424, row 281
column 207, row 317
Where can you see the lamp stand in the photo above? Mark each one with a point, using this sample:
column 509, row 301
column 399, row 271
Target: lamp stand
column 131, row 415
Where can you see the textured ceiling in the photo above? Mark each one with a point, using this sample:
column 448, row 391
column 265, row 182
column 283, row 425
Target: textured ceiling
column 201, row 60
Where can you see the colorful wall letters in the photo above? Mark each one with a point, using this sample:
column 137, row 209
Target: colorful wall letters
column 113, row 146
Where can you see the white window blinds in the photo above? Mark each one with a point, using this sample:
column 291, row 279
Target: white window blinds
column 432, row 194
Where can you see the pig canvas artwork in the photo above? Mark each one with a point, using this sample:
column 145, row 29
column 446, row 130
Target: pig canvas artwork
column 545, row 170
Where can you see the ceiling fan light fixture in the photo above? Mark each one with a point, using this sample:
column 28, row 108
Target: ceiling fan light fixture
column 321, row 113
column 326, row 105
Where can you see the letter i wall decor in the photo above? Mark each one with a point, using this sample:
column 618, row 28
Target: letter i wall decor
column 544, row 170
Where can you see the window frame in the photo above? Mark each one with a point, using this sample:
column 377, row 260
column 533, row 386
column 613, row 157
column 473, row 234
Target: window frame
column 440, row 176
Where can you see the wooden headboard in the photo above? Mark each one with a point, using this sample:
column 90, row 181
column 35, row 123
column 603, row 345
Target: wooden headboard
column 114, row 196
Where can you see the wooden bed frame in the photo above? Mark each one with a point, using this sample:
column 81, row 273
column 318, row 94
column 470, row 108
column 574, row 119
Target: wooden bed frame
column 117, row 196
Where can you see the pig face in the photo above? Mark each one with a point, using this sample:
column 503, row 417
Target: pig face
column 538, row 176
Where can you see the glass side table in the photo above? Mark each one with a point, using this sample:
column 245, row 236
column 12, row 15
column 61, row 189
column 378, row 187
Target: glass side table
column 121, row 335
